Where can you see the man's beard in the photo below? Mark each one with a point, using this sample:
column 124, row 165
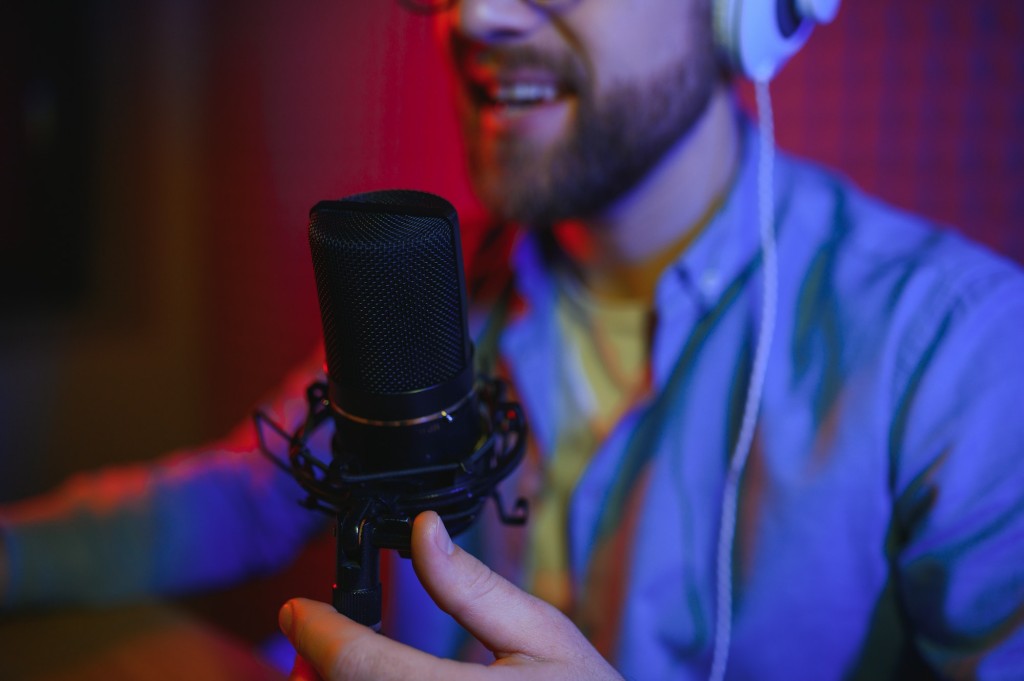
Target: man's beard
column 616, row 139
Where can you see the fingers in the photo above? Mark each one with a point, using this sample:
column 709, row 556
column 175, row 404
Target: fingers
column 530, row 638
column 336, row 649
column 501, row 616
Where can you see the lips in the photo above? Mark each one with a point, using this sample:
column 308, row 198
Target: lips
column 511, row 77
column 516, row 89
column 518, row 93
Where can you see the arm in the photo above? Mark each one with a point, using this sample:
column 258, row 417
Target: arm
column 190, row 520
column 530, row 639
column 960, row 489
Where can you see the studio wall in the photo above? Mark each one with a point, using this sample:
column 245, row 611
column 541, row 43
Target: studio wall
column 213, row 127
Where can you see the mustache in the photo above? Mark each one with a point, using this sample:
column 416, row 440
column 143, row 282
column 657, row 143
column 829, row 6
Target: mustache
column 567, row 67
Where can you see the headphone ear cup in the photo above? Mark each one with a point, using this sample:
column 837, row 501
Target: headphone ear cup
column 758, row 36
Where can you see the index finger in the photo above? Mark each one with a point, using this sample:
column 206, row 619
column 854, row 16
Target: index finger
column 341, row 650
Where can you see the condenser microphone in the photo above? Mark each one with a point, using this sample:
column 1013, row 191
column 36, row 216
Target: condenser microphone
column 415, row 428
column 389, row 276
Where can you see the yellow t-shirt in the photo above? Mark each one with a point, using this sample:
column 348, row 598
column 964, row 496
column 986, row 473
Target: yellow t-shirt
column 607, row 340
column 605, row 372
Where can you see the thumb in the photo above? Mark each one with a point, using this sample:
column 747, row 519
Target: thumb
column 501, row 616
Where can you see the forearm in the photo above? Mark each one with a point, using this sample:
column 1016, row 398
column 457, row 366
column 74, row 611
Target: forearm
column 186, row 523
column 958, row 480
column 191, row 520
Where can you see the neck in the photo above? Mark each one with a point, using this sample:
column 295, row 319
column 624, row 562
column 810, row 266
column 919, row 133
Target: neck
column 630, row 242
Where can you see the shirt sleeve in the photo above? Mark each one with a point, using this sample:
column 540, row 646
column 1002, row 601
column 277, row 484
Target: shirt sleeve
column 959, row 474
column 191, row 520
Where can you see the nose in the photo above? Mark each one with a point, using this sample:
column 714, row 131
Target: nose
column 498, row 21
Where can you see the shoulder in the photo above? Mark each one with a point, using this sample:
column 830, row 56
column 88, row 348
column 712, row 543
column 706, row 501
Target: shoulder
column 874, row 295
column 823, row 208
column 872, row 259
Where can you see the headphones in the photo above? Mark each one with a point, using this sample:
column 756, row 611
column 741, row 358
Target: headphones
column 758, row 36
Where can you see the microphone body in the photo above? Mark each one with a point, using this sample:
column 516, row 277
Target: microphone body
column 415, row 428
column 392, row 292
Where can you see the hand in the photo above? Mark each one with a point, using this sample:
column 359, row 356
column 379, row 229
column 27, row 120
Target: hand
column 530, row 639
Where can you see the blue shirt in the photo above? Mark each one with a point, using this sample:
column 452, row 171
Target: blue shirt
column 881, row 515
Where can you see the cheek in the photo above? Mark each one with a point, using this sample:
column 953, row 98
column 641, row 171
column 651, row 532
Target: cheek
column 627, row 41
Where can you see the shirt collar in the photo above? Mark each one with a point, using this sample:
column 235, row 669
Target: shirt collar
column 704, row 270
column 727, row 245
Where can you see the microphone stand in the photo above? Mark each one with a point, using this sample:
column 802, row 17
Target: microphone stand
column 357, row 591
column 360, row 535
column 376, row 511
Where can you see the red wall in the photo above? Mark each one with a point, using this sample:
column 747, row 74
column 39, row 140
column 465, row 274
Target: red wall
column 220, row 124
column 920, row 103
column 308, row 102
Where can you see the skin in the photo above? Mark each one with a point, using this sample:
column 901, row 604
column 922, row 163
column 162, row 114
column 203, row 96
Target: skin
column 530, row 639
column 530, row 164
column 647, row 66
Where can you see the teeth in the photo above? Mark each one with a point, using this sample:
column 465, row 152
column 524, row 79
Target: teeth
column 525, row 93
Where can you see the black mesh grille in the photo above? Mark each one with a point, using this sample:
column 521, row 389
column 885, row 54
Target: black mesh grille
column 389, row 288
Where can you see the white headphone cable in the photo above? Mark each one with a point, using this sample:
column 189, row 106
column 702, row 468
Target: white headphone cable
column 738, row 460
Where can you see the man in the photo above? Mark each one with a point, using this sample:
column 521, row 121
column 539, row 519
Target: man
column 880, row 516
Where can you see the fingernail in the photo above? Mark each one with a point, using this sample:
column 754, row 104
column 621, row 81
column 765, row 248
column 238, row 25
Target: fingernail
column 284, row 619
column 441, row 538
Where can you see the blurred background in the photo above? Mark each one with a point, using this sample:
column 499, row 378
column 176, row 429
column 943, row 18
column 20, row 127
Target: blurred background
column 158, row 159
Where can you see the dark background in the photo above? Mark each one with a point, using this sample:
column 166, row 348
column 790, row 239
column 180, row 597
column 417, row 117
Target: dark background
column 158, row 159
